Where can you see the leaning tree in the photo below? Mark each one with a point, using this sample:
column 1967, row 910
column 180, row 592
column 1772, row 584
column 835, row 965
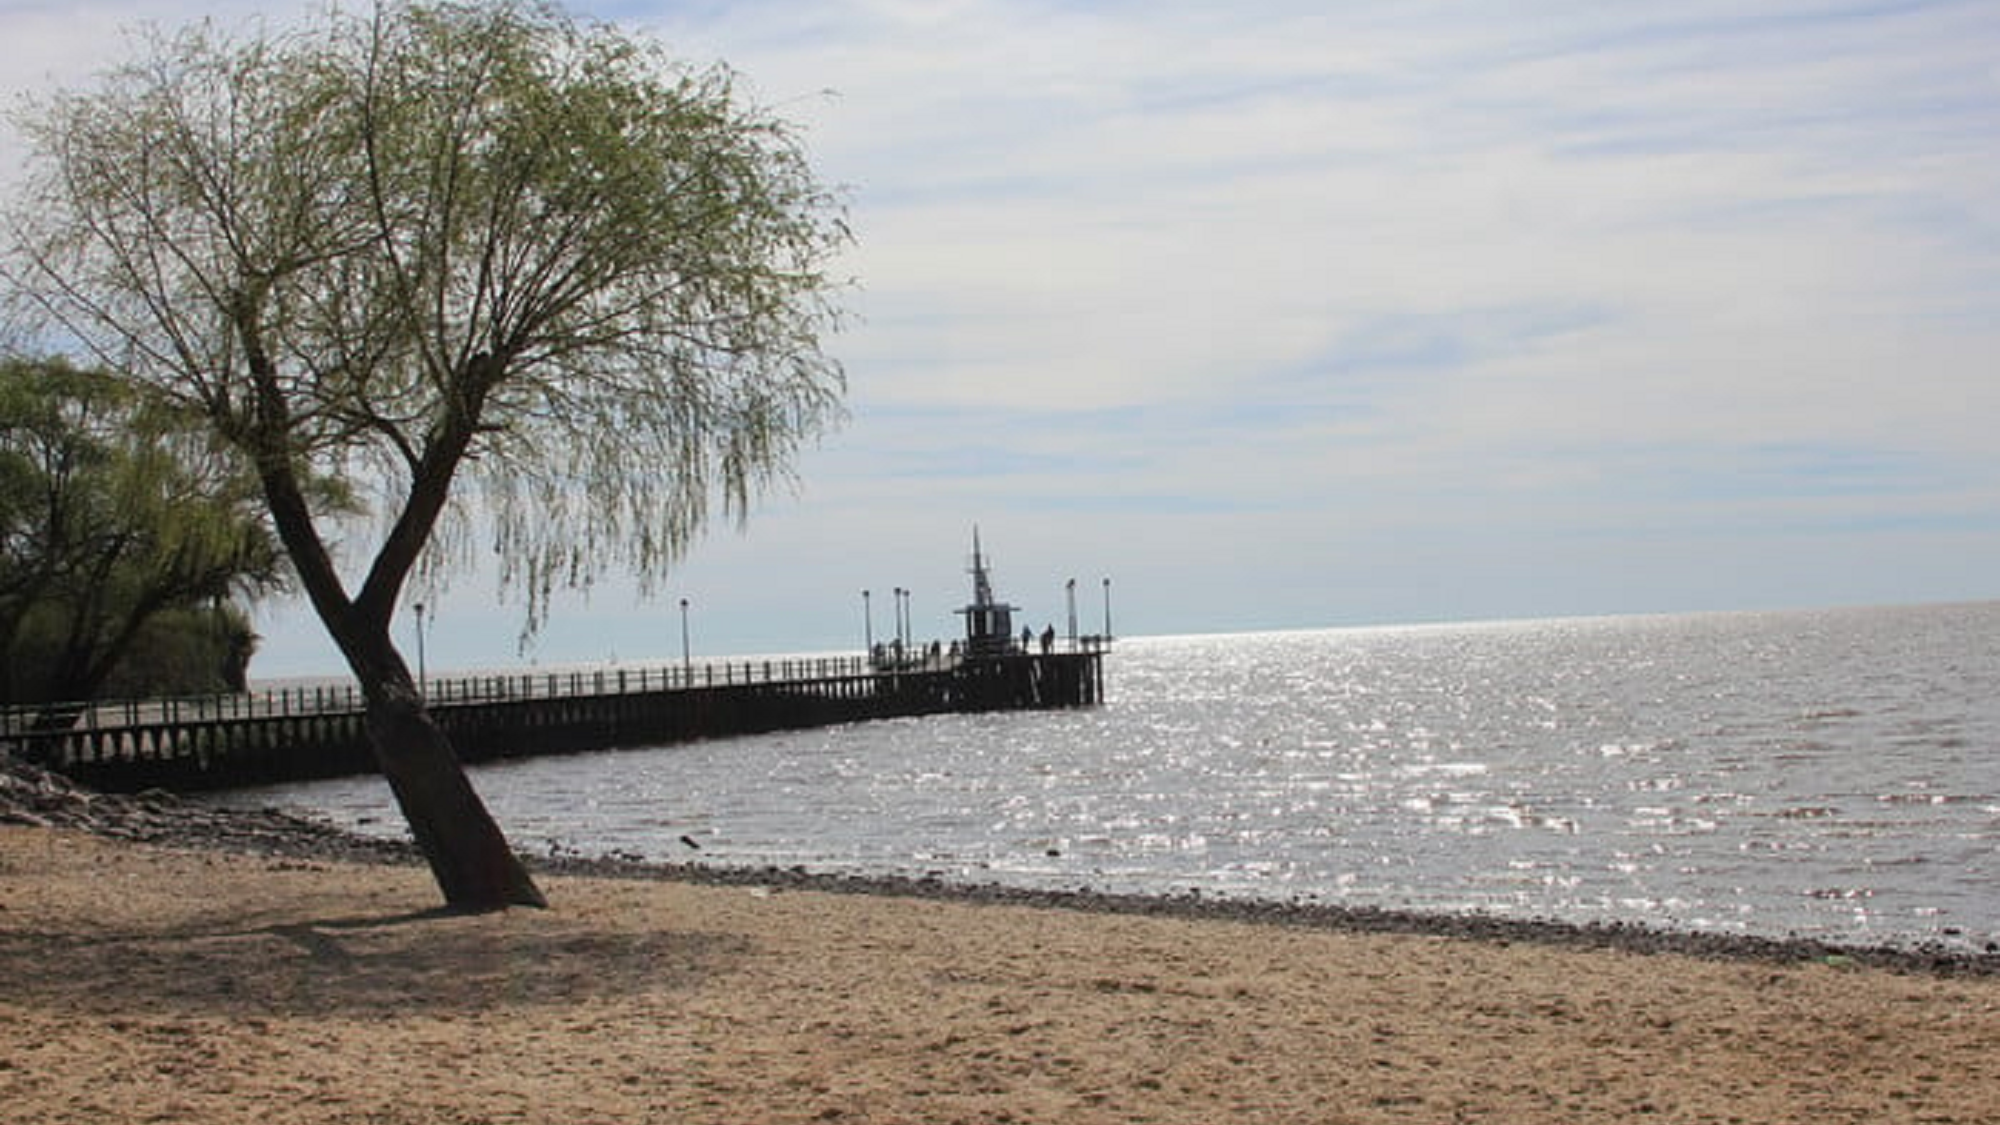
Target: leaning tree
column 446, row 242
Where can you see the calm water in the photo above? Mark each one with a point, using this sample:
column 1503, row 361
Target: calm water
column 1825, row 773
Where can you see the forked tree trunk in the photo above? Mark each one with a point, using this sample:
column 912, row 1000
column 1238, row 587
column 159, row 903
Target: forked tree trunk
column 468, row 855
column 475, row 868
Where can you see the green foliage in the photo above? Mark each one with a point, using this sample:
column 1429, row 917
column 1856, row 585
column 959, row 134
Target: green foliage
column 117, row 518
column 446, row 239
column 184, row 651
column 452, row 238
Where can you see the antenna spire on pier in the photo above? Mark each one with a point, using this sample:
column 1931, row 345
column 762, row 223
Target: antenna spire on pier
column 982, row 586
column 989, row 624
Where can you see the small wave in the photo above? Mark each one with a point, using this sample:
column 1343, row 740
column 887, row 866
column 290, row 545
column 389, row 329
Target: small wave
column 1924, row 799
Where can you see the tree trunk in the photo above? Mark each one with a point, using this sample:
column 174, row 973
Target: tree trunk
column 468, row 855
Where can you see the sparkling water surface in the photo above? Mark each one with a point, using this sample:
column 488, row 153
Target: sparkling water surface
column 1825, row 773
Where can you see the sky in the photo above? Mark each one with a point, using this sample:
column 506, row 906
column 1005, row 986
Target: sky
column 1289, row 314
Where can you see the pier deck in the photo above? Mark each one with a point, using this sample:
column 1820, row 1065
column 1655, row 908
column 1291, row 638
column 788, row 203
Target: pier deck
column 237, row 740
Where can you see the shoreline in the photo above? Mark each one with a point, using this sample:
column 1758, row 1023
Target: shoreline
column 1926, row 959
column 174, row 982
column 35, row 797
column 167, row 962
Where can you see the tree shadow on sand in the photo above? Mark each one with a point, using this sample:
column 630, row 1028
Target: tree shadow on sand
column 430, row 961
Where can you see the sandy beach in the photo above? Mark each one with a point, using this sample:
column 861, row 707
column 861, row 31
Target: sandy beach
column 147, row 983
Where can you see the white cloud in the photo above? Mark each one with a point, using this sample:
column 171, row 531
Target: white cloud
column 1250, row 284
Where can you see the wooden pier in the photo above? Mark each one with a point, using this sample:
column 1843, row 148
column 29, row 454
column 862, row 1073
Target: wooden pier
column 237, row 740
column 222, row 742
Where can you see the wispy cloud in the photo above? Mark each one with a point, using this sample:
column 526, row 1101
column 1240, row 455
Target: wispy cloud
column 1360, row 311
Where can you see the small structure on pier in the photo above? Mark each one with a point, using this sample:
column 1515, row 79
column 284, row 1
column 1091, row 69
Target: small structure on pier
column 989, row 624
column 234, row 740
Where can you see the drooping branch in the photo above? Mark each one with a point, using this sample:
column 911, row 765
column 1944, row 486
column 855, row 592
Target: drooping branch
column 440, row 245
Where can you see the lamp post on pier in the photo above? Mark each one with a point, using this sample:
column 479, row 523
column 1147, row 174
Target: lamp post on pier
column 1107, row 611
column 867, row 626
column 687, row 653
column 423, row 676
column 900, row 592
column 1070, row 589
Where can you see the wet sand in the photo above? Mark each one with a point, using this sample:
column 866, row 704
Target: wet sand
column 150, row 983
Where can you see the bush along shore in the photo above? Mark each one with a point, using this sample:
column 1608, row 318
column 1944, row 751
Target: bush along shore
column 35, row 797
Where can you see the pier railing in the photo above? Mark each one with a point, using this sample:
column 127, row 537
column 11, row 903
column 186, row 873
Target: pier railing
column 297, row 732
column 301, row 700
column 333, row 697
